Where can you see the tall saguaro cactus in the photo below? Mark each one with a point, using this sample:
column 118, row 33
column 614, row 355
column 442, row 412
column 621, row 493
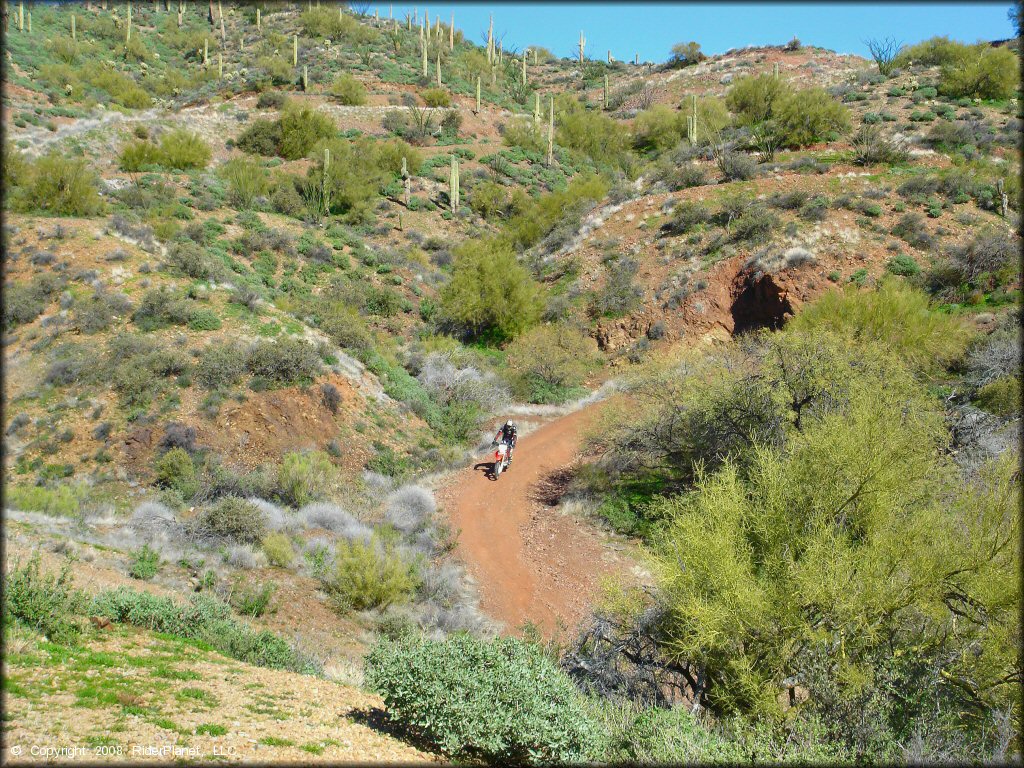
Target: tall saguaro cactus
column 536, row 109
column 74, row 32
column 128, row 30
column 490, row 40
column 605, row 103
column 453, row 185
column 21, row 17
column 775, row 70
column 406, row 183
column 305, row 78
column 220, row 65
column 206, row 51
column 524, row 67
column 423, row 49
column 259, row 20
column 691, row 120
column 478, row 94
column 295, row 50
column 551, row 130
column 438, row 69
column 582, row 45
column 325, row 188
column 451, row 33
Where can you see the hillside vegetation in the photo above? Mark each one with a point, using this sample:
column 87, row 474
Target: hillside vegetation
column 272, row 270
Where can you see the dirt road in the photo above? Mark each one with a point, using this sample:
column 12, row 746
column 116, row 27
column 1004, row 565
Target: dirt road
column 532, row 561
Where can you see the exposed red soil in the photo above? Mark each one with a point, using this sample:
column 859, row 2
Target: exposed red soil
column 532, row 562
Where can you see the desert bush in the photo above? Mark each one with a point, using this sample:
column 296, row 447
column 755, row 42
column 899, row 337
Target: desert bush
column 251, row 600
column 44, row 602
column 137, row 155
column 499, row 701
column 331, row 517
column 175, row 469
column 753, row 99
column 981, row 72
column 658, row 128
column 620, row 293
column 24, row 302
column 489, row 199
column 261, row 137
column 809, row 116
column 521, row 132
column 301, row 128
column 436, row 97
column 98, row 311
column 871, row 146
column 59, row 185
column 686, row 54
column 64, row 500
column 232, row 519
column 549, row 363
column 304, row 477
column 246, row 180
column 602, row 140
column 181, row 149
column 284, row 362
column 988, row 259
column 271, row 100
column 896, row 316
column 145, row 563
column 221, row 365
column 189, row 259
column 331, row 397
column 935, row 51
column 344, row 325
column 410, row 508
column 278, row 549
column 556, row 216
column 736, row 166
column 369, row 575
column 347, row 90
column 160, row 307
column 1001, row 396
column 903, row 265
column 490, row 295
column 205, row 619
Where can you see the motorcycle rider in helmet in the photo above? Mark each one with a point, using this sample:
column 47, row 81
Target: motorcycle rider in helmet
column 507, row 434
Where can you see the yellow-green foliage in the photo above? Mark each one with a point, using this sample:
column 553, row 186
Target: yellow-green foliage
column 347, row 90
column 436, row 97
column 894, row 315
column 246, row 180
column 598, row 137
column 279, row 550
column 935, row 51
column 535, row 218
column 55, row 184
column 489, row 199
column 370, row 575
column 136, row 155
column 809, row 116
column 521, row 132
column 181, row 149
column 658, row 128
column 64, row 499
column 326, row 22
column 752, row 98
column 176, row 470
column 357, row 171
column 712, row 117
column 982, row 72
column 304, row 477
column 490, row 295
column 547, row 361
column 1001, row 397
column 301, row 128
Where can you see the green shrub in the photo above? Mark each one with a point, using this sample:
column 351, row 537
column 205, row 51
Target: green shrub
column 436, row 97
column 252, row 600
column 176, row 470
column 145, row 563
column 63, row 500
column 753, row 98
column 220, row 365
column 347, row 90
column 262, row 137
column 205, row 619
column 369, row 574
column 304, row 477
column 549, row 363
column 246, row 180
column 1001, row 397
column 501, row 701
column 523, row 133
column 599, row 138
column 982, row 72
column 44, row 602
column 903, row 265
column 936, row 51
column 232, row 518
column 137, row 155
column 895, row 315
column 301, row 128
column 490, row 295
column 59, row 185
column 24, row 302
column 279, row 550
column 686, row 54
column 809, row 116
column 181, row 149
column 284, row 362
column 658, row 128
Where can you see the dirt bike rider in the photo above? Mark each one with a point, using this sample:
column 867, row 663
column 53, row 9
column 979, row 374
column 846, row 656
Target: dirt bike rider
column 507, row 434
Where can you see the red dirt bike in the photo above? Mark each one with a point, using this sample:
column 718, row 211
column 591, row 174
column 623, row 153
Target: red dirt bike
column 502, row 457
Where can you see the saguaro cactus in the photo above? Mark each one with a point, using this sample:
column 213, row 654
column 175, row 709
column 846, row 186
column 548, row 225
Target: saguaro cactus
column 524, row 67
column 453, row 185
column 551, row 130
column 691, row 120
column 181, row 15
column 128, row 30
column 325, row 187
column 74, row 32
column 206, row 51
column 609, row 57
column 406, row 183
column 295, row 50
column 582, row 45
column 636, row 59
column 259, row 20
column 30, row 22
column 220, row 65
column 536, row 109
column 439, row 69
column 605, row 103
column 490, row 40
column 775, row 70
column 21, row 17
column 451, row 34
column 223, row 31
column 478, row 94
column 305, row 78
column 423, row 48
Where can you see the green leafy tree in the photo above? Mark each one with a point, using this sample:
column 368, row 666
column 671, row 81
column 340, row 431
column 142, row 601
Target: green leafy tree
column 752, row 99
column 490, row 295
column 301, row 128
column 548, row 362
column 808, row 116
column 347, row 90
column 981, row 72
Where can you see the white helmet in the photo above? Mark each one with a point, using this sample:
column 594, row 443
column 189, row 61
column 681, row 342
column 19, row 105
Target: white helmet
column 509, row 424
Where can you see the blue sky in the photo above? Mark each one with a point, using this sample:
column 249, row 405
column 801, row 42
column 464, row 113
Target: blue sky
column 650, row 29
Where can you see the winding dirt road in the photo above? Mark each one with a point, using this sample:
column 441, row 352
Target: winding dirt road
column 532, row 561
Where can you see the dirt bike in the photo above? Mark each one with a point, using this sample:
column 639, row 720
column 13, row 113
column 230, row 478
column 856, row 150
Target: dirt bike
column 502, row 456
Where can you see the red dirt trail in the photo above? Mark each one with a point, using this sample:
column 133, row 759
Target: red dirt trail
column 531, row 561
